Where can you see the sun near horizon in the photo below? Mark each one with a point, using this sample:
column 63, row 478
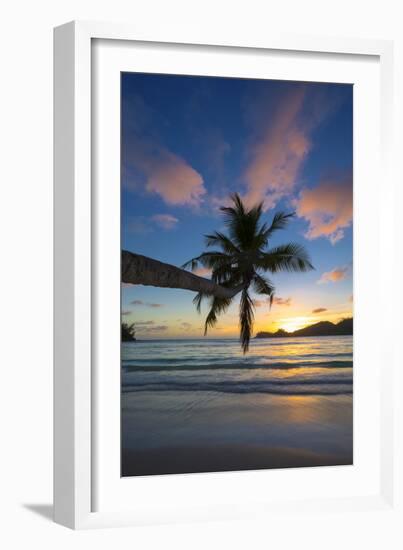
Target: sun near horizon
column 161, row 320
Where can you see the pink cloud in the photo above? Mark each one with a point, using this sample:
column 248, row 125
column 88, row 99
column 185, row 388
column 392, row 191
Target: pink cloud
column 281, row 301
column 170, row 177
column 337, row 274
column 151, row 165
column 202, row 272
column 163, row 173
column 328, row 209
column 166, row 221
column 276, row 300
column 260, row 303
column 278, row 156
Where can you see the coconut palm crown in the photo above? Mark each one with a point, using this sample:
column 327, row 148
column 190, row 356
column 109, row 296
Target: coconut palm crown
column 242, row 258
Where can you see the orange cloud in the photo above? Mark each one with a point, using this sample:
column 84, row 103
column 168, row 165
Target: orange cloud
column 319, row 310
column 337, row 274
column 278, row 156
column 328, row 209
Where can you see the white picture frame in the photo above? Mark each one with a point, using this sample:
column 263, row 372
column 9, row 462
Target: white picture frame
column 80, row 428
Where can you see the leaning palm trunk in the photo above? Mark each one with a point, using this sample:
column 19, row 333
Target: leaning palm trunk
column 141, row 270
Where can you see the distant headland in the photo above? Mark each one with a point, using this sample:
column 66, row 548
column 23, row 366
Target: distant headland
column 323, row 328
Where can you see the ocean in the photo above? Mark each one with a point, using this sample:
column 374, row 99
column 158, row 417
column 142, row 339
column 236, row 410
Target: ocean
column 201, row 405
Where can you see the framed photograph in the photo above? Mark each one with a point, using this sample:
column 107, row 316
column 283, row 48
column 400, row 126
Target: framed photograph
column 219, row 230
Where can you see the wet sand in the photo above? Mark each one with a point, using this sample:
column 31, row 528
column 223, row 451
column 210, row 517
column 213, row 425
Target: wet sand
column 212, row 432
column 222, row 458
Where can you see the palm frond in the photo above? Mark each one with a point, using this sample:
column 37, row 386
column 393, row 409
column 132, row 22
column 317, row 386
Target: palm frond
column 208, row 259
column 287, row 257
column 261, row 238
column 236, row 221
column 262, row 285
column 246, row 317
column 226, row 275
column 242, row 223
column 191, row 264
column 221, row 240
column 280, row 221
column 197, row 300
column 255, row 214
column 217, row 306
column 234, row 211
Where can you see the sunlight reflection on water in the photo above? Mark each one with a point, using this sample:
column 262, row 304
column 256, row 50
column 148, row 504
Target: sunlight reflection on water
column 294, row 395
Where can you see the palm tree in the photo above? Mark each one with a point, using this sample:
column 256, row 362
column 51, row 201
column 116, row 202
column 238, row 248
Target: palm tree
column 242, row 258
column 128, row 332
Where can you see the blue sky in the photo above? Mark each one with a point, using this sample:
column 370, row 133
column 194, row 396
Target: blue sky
column 188, row 142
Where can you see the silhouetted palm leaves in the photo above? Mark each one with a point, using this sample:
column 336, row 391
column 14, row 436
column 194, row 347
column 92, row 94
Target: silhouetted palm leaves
column 128, row 332
column 241, row 258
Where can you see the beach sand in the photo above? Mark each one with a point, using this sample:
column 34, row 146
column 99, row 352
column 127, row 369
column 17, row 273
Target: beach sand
column 221, row 458
column 185, row 432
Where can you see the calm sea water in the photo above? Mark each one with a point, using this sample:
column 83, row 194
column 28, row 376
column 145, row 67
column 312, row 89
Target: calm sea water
column 315, row 366
column 201, row 405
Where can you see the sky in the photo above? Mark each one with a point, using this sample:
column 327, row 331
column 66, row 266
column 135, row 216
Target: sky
column 189, row 142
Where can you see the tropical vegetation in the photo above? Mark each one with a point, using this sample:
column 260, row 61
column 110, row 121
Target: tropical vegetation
column 240, row 260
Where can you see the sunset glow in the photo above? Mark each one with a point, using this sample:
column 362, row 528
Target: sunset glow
column 295, row 323
column 236, row 226
column 253, row 137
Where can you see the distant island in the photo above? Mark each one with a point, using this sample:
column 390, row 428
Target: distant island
column 323, row 328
